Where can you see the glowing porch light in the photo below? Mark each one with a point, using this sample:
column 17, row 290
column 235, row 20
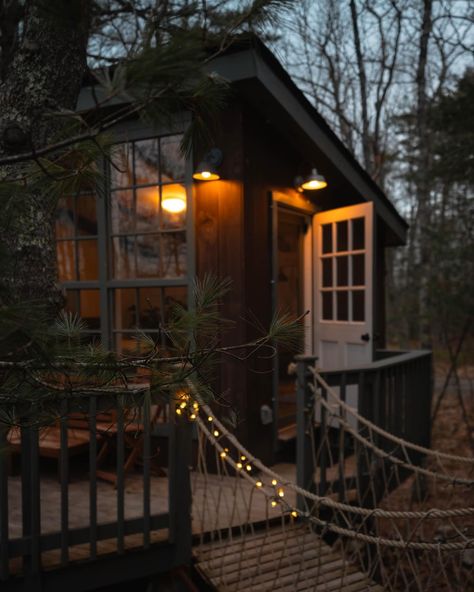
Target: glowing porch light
column 312, row 182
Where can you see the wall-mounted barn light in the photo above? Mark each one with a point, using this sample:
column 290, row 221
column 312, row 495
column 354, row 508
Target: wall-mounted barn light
column 311, row 182
column 207, row 168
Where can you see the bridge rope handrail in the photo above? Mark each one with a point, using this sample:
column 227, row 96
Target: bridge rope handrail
column 454, row 480
column 389, row 436
column 322, row 500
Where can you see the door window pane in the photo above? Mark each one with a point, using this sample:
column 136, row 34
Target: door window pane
column 327, row 306
column 146, row 162
column 327, row 238
column 327, row 271
column 89, row 308
column 172, row 161
column 124, row 257
column 342, row 236
column 126, row 344
column 358, row 233
column 358, row 270
column 342, row 264
column 342, row 299
column 148, row 199
column 88, row 259
column 358, row 305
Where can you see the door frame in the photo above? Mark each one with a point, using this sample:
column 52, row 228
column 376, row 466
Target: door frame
column 292, row 202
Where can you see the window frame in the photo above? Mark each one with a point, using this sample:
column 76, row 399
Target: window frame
column 106, row 284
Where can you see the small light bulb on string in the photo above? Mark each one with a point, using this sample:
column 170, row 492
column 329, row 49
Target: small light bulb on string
column 216, row 433
column 195, row 406
column 249, row 468
column 192, row 416
column 226, row 450
column 259, row 484
column 294, row 513
column 243, row 457
column 239, row 465
column 274, row 503
column 274, row 482
column 223, row 454
column 281, row 493
column 178, row 412
column 209, row 418
column 183, row 404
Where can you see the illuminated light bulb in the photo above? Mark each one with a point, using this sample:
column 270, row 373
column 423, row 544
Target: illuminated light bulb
column 195, row 406
column 281, row 493
column 243, row 457
column 178, row 412
column 209, row 418
column 239, row 465
column 216, row 433
column 274, row 503
column 174, row 204
column 259, row 484
column 274, row 482
column 249, row 468
column 192, row 416
column 226, row 449
column 183, row 405
column 223, row 454
column 294, row 514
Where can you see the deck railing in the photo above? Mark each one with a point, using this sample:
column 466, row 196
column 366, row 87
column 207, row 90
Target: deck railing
column 393, row 392
column 31, row 501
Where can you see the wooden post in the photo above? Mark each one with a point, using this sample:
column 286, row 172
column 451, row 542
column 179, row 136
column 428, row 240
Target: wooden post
column 304, row 404
column 180, row 453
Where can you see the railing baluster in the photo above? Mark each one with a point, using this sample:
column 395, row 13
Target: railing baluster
column 93, row 476
column 304, row 421
column 64, row 480
column 341, row 451
column 324, row 443
column 120, row 475
column 179, row 487
column 146, row 468
column 4, row 464
column 35, row 503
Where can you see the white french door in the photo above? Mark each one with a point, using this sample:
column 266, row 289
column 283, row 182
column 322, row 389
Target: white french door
column 343, row 247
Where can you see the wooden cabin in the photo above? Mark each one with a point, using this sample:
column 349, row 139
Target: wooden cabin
column 285, row 249
column 129, row 250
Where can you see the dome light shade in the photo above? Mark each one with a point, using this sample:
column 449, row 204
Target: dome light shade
column 205, row 175
column 312, row 182
column 207, row 169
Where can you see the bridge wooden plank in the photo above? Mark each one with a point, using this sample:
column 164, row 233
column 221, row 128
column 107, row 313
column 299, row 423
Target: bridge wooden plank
column 292, row 559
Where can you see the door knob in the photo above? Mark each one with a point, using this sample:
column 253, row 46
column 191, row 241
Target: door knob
column 365, row 337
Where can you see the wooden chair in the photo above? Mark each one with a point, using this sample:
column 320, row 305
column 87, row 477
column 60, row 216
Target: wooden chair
column 133, row 433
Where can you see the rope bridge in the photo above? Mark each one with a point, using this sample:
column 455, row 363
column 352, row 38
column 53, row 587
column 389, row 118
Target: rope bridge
column 378, row 513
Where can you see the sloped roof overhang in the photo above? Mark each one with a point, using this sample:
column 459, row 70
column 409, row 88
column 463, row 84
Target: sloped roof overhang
column 258, row 74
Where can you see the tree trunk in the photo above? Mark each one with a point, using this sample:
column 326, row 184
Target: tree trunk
column 44, row 77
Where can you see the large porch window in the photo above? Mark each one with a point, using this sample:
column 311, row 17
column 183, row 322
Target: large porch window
column 122, row 253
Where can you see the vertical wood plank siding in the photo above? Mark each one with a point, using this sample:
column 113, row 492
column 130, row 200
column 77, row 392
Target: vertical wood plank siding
column 4, row 466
